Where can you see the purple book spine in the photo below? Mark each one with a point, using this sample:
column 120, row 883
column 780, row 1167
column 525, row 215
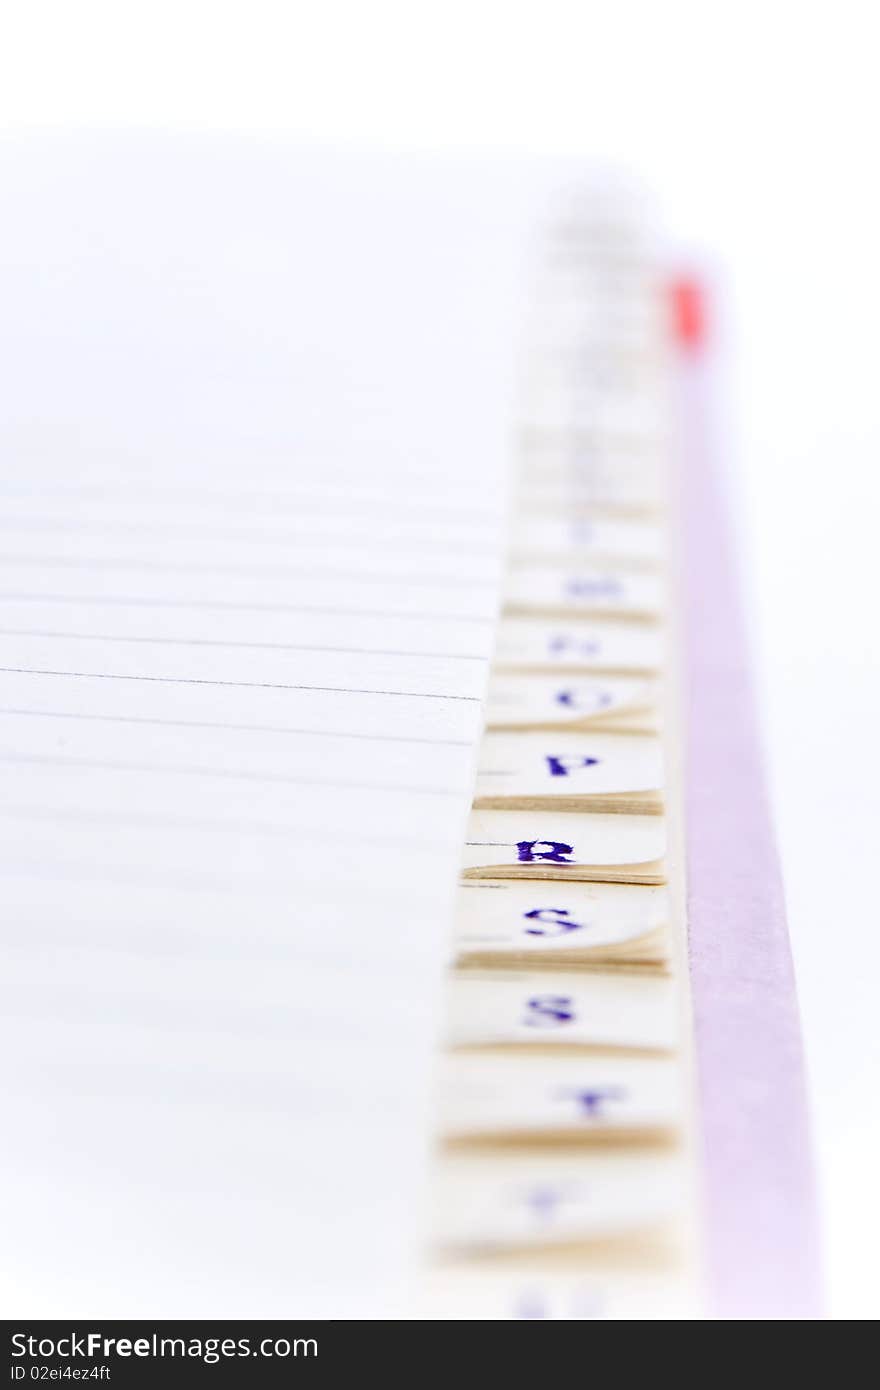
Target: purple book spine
column 759, row 1203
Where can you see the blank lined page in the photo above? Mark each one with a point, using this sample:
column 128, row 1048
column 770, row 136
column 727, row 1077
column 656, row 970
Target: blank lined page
column 255, row 428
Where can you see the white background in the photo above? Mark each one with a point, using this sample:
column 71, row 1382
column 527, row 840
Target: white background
column 758, row 125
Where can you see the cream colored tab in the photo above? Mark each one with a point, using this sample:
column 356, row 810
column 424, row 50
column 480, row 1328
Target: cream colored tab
column 616, row 703
column 585, row 493
column 572, row 540
column 566, row 452
column 555, row 844
column 631, row 362
column 588, row 470
column 627, row 329
column 650, row 1282
column 555, row 395
column 583, row 593
column 559, row 1099
column 545, row 645
column 555, row 342
column 520, row 1201
column 558, row 409
column 591, row 301
column 585, row 457
column 506, row 921
column 630, row 1013
column 570, row 771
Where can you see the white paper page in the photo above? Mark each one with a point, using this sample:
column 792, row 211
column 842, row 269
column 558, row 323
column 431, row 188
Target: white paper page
column 248, row 582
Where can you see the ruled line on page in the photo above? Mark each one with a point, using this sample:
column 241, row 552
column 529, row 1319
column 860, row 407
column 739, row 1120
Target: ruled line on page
column 468, row 582
column 121, row 873
column 238, row 728
column 243, row 685
column 233, row 605
column 244, row 646
column 296, row 540
column 389, row 505
column 232, row 774
column 163, row 820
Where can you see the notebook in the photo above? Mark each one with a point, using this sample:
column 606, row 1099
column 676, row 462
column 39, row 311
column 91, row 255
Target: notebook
column 392, row 924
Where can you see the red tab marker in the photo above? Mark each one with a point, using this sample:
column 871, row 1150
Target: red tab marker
column 688, row 313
